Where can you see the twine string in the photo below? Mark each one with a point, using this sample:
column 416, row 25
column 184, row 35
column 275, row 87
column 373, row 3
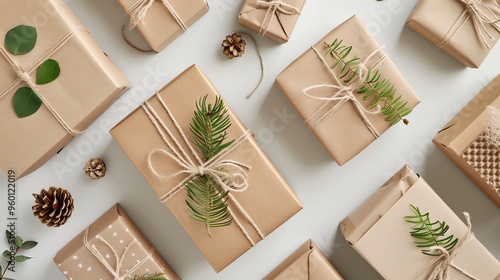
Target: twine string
column 24, row 75
column 140, row 8
column 274, row 6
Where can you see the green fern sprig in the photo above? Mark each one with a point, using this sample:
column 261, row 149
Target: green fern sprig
column 379, row 90
column 429, row 233
column 207, row 201
column 149, row 276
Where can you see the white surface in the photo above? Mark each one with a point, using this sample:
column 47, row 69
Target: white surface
column 328, row 192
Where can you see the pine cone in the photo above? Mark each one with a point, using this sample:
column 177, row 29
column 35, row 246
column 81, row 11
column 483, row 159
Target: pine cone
column 234, row 45
column 95, row 168
column 53, row 207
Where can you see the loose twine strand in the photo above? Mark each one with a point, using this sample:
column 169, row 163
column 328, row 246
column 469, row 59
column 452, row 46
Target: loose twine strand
column 119, row 260
column 24, row 75
column 480, row 20
column 234, row 171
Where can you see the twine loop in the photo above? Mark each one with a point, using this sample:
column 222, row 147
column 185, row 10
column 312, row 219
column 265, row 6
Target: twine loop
column 139, row 10
column 274, row 6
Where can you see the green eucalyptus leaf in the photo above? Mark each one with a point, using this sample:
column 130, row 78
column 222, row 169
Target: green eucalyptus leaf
column 8, row 235
column 6, row 254
column 19, row 241
column 21, row 39
column 26, row 102
column 22, row 258
column 48, row 71
column 29, row 245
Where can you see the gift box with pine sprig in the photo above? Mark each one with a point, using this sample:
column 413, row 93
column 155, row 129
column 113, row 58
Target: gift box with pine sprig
column 407, row 232
column 471, row 140
column 347, row 90
column 206, row 167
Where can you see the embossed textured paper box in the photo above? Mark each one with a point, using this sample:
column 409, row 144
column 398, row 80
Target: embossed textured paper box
column 463, row 140
column 343, row 133
column 275, row 20
column 378, row 231
column 88, row 83
column 164, row 20
column 111, row 248
column 265, row 205
column 458, row 27
column 306, row 263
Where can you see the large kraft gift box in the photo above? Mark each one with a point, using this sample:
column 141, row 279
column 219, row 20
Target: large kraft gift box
column 343, row 132
column 164, row 20
column 464, row 141
column 111, row 248
column 458, row 28
column 306, row 263
column 273, row 20
column 268, row 192
column 377, row 230
column 88, row 83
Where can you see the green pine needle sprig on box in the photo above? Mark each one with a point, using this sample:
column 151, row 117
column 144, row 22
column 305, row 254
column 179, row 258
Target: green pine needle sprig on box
column 379, row 91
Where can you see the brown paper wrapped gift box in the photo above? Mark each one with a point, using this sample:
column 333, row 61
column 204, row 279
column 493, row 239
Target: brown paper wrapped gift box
column 88, row 84
column 463, row 141
column 306, row 263
column 343, row 133
column 378, row 231
column 449, row 20
column 277, row 26
column 116, row 238
column 268, row 192
column 159, row 26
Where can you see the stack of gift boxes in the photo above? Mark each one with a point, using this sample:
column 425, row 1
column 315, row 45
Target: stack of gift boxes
column 346, row 89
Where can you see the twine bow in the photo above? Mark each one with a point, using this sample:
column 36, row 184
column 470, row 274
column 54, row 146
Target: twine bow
column 344, row 93
column 480, row 20
column 139, row 10
column 229, row 174
column 116, row 272
column 444, row 262
column 274, row 6
column 24, row 75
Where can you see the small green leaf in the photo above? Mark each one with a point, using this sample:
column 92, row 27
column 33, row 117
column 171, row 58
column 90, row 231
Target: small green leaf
column 6, row 254
column 8, row 234
column 19, row 241
column 22, row 258
column 48, row 71
column 21, row 39
column 29, row 245
column 26, row 102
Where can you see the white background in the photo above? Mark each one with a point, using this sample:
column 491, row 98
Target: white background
column 328, row 192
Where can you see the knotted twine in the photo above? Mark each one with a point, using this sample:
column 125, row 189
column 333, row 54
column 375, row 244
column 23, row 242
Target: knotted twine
column 139, row 10
column 274, row 6
column 479, row 18
column 119, row 260
column 444, row 263
column 344, row 93
column 24, row 75
column 217, row 168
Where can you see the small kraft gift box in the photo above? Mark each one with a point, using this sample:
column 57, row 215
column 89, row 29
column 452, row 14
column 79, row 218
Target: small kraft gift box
column 112, row 248
column 274, row 19
column 347, row 90
column 161, row 21
column 465, row 29
column 245, row 187
column 306, row 263
column 55, row 82
column 406, row 232
column 471, row 140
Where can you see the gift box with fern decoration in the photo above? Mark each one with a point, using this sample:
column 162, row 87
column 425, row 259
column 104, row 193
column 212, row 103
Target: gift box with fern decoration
column 306, row 263
column 347, row 90
column 112, row 248
column 407, row 232
column 160, row 22
column 55, row 82
column 206, row 167
column 471, row 140
column 465, row 29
